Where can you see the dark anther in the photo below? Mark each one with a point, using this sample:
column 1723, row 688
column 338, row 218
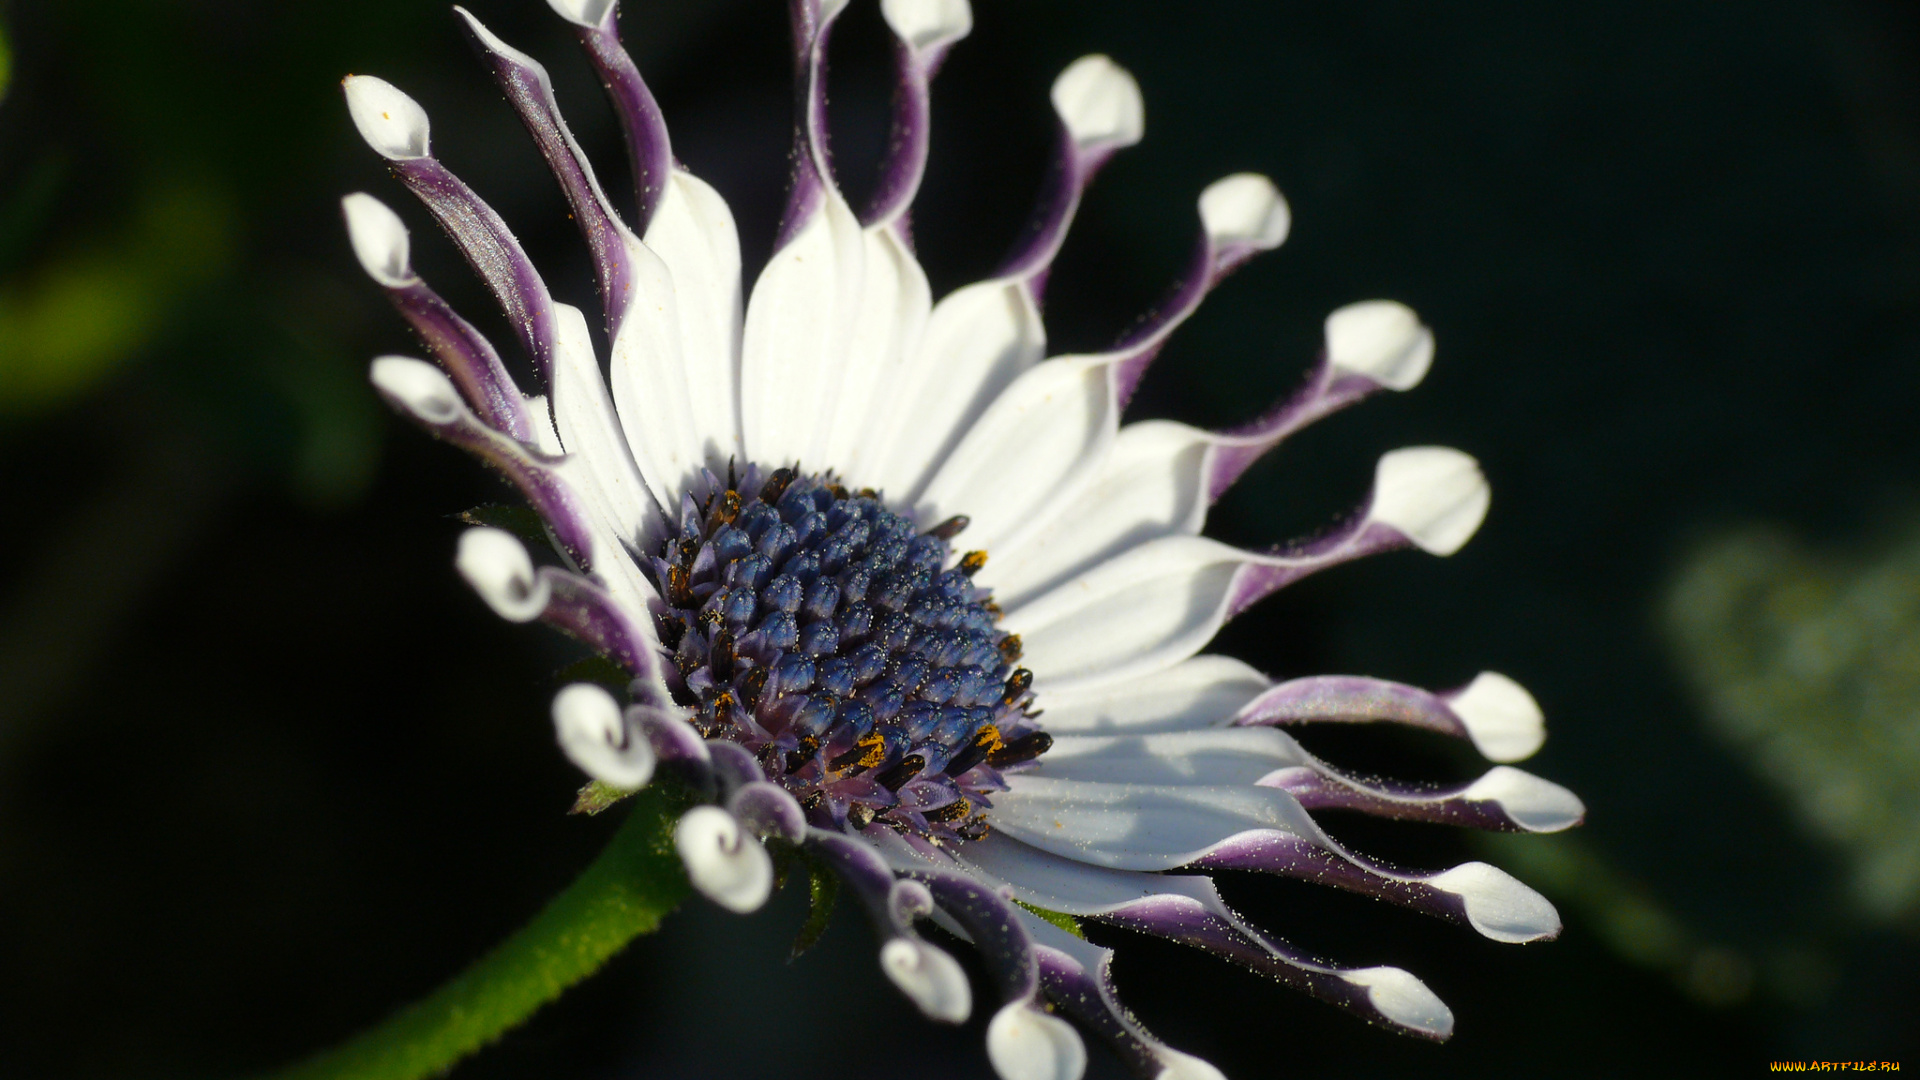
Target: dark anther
column 671, row 631
column 992, row 608
column 974, row 829
column 975, row 752
column 859, row 815
column 1017, row 685
column 1010, row 648
column 679, row 587
column 712, row 618
column 751, row 686
column 866, row 493
column 733, row 480
column 1025, row 748
column 776, row 486
column 897, row 775
column 837, row 491
column 812, row 801
column 720, row 659
column 953, row 811
column 865, row 754
column 797, row 758
column 686, row 552
column 725, row 509
column 768, row 757
column 950, row 528
column 972, row 561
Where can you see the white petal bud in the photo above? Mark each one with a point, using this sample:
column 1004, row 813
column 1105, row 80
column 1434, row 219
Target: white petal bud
column 587, row 13
column 1175, row 1065
column 495, row 563
column 379, row 239
column 726, row 863
column 1497, row 904
column 1404, row 1000
column 1502, row 719
column 1534, row 804
column 418, row 387
column 392, row 123
column 924, row 23
column 597, row 738
column 1024, row 1043
column 1382, row 340
column 1432, row 495
column 1245, row 208
column 1099, row 102
column 929, row 977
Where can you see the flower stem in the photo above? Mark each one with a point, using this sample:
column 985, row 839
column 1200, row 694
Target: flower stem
column 626, row 891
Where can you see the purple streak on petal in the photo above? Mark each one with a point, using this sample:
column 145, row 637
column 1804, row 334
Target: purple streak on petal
column 490, row 248
column 466, row 356
column 641, row 122
column 1183, row 920
column 769, row 811
column 1351, row 699
column 1264, row 575
column 530, row 91
column 672, row 738
column 585, row 610
column 893, row 904
column 1212, row 262
column 1088, row 997
column 733, row 764
column 1235, row 450
column 905, row 163
column 812, row 170
column 993, row 922
column 1270, row 852
column 1072, row 169
column 1321, row 788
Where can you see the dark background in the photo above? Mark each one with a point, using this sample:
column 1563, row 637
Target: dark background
column 268, row 770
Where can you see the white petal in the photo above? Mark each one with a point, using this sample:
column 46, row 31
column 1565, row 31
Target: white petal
column 379, row 239
column 392, row 123
column 933, row 980
column 1024, row 1043
column 1038, row 442
column 650, row 382
column 924, row 23
column 1196, row 693
column 599, row 462
column 1433, row 495
column 1404, row 999
column 1502, row 719
column 1534, row 804
column 1209, row 756
column 1147, row 486
column 596, row 737
column 1179, row 1066
column 1382, row 340
column 1245, row 208
column 587, row 13
column 1099, row 102
column 1138, row 826
column 692, row 231
column 978, row 339
column 496, row 564
column 894, row 306
column 418, row 387
column 726, row 863
column 1497, row 904
column 1076, row 888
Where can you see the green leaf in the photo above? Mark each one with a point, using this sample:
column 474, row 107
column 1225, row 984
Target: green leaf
column 521, row 521
column 1065, row 922
column 823, row 888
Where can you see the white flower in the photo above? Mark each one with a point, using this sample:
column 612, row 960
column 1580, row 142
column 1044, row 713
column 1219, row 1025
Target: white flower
column 753, row 512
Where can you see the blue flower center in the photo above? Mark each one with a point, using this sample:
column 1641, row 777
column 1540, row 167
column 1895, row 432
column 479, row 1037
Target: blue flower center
column 848, row 650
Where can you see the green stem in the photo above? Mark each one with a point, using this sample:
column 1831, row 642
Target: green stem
column 627, row 890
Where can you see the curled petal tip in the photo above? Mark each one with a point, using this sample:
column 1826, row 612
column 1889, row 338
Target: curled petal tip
column 724, row 862
column 1099, row 102
column 417, row 387
column 925, row 24
column 1382, row 340
column 588, row 13
column 379, row 239
column 1024, row 1043
column 1501, row 718
column 929, row 977
column 1434, row 496
column 392, row 123
column 1497, row 904
column 597, row 738
column 1404, row 1000
column 496, row 564
column 1245, row 208
column 1533, row 804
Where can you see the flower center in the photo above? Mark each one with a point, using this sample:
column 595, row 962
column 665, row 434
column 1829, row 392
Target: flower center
column 848, row 651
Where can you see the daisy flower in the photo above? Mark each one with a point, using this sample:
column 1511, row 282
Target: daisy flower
column 899, row 593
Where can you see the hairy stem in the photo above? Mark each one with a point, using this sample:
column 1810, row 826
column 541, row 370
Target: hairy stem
column 627, row 890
